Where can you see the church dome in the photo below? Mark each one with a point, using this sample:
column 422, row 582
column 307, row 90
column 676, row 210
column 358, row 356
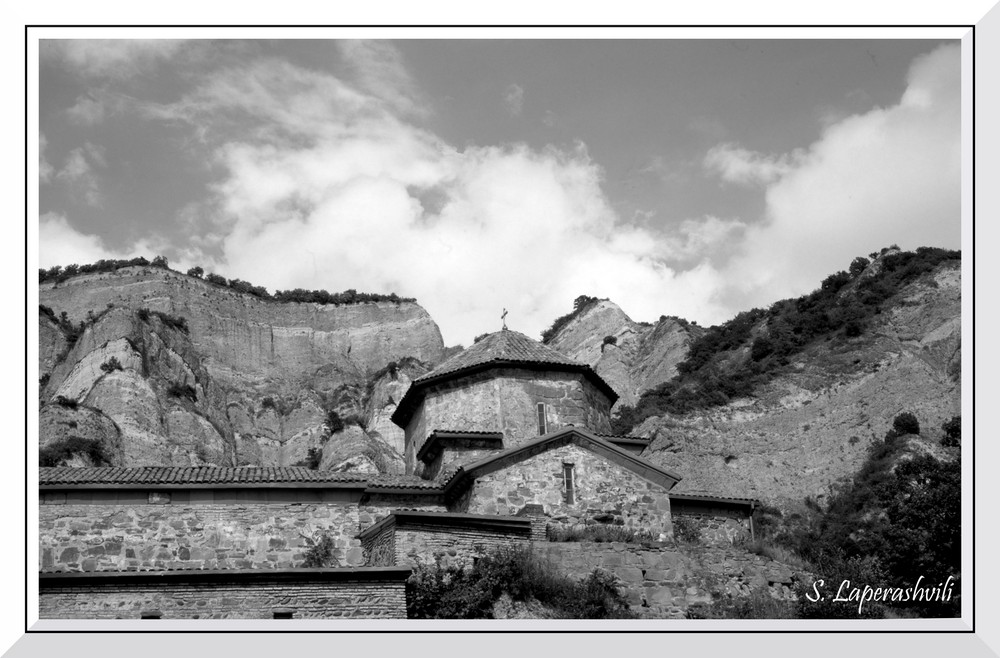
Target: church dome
column 502, row 349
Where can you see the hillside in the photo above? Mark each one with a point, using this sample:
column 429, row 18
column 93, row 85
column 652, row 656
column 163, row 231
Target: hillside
column 812, row 414
column 631, row 356
column 208, row 374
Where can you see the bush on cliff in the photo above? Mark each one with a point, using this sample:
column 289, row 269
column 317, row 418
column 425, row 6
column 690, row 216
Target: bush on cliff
column 580, row 304
column 439, row 592
column 59, row 452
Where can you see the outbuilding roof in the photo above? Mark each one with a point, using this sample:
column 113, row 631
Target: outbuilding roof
column 221, row 477
column 505, row 348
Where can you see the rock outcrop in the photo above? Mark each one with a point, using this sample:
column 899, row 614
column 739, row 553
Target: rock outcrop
column 189, row 372
column 631, row 356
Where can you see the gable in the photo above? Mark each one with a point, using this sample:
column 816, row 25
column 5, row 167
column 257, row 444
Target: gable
column 582, row 438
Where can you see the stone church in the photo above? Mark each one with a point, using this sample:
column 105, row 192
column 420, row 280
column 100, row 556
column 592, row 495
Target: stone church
column 504, row 442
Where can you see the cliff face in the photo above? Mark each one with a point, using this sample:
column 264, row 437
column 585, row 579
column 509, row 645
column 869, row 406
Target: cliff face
column 246, row 382
column 811, row 426
column 640, row 357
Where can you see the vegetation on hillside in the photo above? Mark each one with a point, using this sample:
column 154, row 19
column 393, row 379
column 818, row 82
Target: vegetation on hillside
column 450, row 592
column 729, row 361
column 897, row 522
column 580, row 304
column 59, row 274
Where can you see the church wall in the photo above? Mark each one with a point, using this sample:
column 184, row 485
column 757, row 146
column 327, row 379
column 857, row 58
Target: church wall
column 604, row 492
column 506, row 400
column 178, row 598
column 117, row 532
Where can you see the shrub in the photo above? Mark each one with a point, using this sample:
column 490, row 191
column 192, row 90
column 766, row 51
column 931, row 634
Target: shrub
column 111, row 365
column 479, row 338
column 172, row 321
column 334, row 423
column 160, row 261
column 609, row 340
column 906, row 423
column 312, row 460
column 762, row 347
column 183, row 391
column 952, row 432
column 437, row 592
column 196, row 272
column 686, row 530
column 580, row 304
column 58, row 452
column 66, row 402
column 320, row 552
column 858, row 266
column 211, row 277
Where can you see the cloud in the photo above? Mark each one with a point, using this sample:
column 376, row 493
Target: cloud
column 325, row 186
column 890, row 175
column 513, row 99
column 735, row 164
column 61, row 244
column 109, row 58
column 78, row 172
column 380, row 70
column 45, row 170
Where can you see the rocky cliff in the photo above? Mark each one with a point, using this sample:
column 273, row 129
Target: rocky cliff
column 631, row 356
column 170, row 369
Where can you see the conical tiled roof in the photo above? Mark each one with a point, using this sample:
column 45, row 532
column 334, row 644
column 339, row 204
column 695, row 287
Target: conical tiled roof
column 504, row 348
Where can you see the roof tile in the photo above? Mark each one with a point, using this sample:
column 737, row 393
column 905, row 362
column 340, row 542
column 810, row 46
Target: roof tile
column 505, row 345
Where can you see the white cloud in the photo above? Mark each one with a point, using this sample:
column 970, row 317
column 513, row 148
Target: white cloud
column 327, row 188
column 109, row 58
column 887, row 176
column 61, row 244
column 78, row 172
column 513, row 99
column 45, row 170
column 735, row 164
column 380, row 71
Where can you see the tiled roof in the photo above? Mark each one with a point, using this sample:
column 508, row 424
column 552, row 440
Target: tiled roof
column 500, row 349
column 504, row 346
column 213, row 475
column 712, row 498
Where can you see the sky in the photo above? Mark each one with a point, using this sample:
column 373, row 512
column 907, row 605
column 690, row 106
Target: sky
column 689, row 178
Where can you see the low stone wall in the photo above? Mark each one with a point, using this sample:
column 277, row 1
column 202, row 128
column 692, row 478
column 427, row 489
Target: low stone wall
column 664, row 582
column 306, row 593
column 412, row 538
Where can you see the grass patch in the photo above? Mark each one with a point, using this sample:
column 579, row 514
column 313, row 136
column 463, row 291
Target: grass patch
column 599, row 533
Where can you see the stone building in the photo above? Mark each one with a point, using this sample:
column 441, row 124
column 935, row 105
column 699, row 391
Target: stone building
column 505, row 443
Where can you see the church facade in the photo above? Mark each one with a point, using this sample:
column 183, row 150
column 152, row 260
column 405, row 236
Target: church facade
column 505, row 443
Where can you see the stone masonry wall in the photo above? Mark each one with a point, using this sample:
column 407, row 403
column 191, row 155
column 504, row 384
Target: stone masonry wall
column 604, row 492
column 451, row 546
column 714, row 529
column 505, row 400
column 180, row 600
column 131, row 536
column 379, row 549
column 664, row 582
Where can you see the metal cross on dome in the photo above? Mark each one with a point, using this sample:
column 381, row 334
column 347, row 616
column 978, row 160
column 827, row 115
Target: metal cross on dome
column 503, row 319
